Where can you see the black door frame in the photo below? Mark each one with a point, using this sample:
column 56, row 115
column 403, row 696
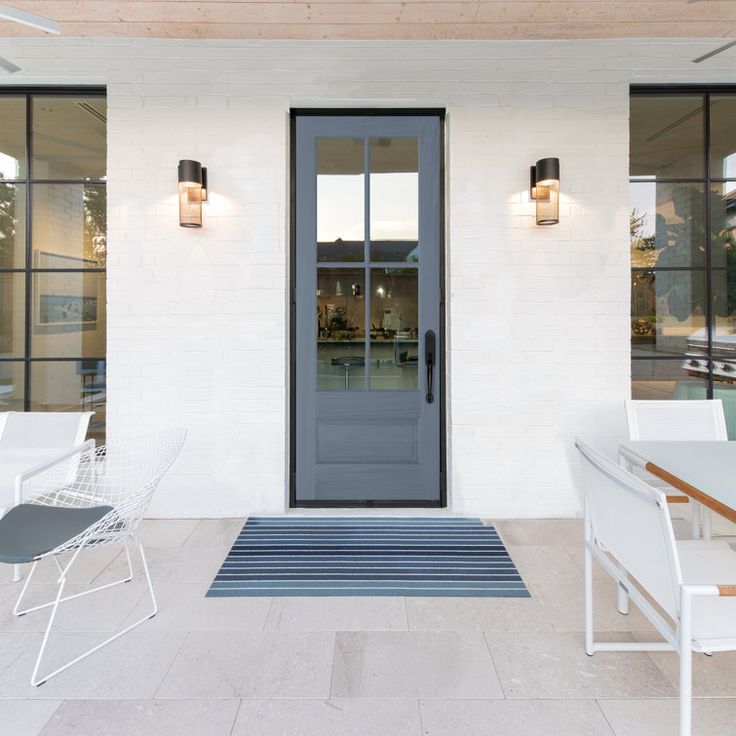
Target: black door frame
column 294, row 113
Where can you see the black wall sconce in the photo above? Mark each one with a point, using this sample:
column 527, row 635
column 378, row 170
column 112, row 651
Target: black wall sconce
column 192, row 192
column 544, row 189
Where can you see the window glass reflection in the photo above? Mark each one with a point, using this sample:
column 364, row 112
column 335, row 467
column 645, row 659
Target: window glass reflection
column 667, row 224
column 12, row 315
column 667, row 310
column 68, row 138
column 394, row 329
column 12, row 390
column 69, row 225
column 340, row 199
column 12, row 137
column 667, row 379
column 12, row 225
column 394, row 217
column 722, row 137
column 340, row 329
column 667, row 136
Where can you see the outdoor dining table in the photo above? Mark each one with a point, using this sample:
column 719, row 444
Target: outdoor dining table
column 703, row 470
column 18, row 464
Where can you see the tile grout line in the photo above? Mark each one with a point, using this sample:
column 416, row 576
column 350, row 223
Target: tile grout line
column 171, row 664
column 605, row 717
column 419, row 712
column 332, row 664
column 237, row 713
column 493, row 664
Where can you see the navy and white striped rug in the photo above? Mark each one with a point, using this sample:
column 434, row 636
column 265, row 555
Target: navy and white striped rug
column 341, row 556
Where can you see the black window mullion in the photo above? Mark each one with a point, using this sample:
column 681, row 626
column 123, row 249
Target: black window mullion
column 28, row 258
column 709, row 315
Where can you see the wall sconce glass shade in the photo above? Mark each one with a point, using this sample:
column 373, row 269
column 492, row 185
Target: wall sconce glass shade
column 547, row 191
column 190, row 193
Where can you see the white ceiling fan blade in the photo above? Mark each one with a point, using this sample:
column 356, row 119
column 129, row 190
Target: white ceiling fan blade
column 8, row 66
column 720, row 49
column 29, row 19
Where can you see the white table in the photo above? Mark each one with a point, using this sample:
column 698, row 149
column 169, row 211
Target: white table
column 704, row 471
column 18, row 465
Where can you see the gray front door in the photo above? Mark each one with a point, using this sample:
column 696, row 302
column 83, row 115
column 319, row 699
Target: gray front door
column 367, row 375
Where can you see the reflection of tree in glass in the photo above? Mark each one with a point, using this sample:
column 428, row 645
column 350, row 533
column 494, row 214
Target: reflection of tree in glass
column 643, row 248
column 7, row 224
column 95, row 224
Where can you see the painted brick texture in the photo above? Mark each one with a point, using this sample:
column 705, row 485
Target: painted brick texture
column 538, row 321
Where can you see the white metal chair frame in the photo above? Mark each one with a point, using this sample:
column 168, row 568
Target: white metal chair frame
column 124, row 475
column 678, row 638
column 712, row 419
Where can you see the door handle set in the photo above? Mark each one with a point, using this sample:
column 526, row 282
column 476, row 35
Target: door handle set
column 430, row 350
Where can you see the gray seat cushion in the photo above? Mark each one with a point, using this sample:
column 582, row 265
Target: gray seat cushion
column 30, row 530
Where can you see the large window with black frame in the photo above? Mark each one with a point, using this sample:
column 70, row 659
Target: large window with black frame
column 53, row 242
column 683, row 245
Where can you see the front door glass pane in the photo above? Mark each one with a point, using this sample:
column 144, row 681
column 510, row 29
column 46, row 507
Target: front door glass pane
column 394, row 329
column 340, row 199
column 394, row 217
column 340, row 329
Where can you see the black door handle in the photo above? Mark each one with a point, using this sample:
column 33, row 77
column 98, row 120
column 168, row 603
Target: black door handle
column 430, row 348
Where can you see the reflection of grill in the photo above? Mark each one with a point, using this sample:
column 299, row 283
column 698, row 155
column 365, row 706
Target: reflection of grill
column 724, row 360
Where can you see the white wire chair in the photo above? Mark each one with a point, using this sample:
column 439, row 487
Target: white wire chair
column 95, row 498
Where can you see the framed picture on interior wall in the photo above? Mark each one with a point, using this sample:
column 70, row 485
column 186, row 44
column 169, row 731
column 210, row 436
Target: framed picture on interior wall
column 64, row 301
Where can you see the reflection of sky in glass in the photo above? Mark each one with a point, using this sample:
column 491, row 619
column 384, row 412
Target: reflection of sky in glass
column 729, row 166
column 9, row 166
column 394, row 207
column 643, row 197
column 339, row 207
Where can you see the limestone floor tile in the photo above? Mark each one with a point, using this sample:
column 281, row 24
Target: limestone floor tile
column 25, row 717
column 166, row 532
column 328, row 718
column 143, row 718
column 215, row 533
column 413, row 664
column 713, row 677
column 337, row 614
column 12, row 646
column 564, row 604
column 274, row 664
column 101, row 611
column 543, row 564
column 553, row 665
column 711, row 717
column 9, row 591
column 523, row 717
column 130, row 667
column 184, row 607
column 541, row 532
column 85, row 569
column 454, row 614
column 173, row 565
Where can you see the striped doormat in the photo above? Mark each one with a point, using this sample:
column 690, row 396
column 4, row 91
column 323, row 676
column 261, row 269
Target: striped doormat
column 342, row 556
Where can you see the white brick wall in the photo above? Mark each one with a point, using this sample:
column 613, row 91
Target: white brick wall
column 537, row 317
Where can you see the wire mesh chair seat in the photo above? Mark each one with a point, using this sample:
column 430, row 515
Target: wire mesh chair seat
column 100, row 494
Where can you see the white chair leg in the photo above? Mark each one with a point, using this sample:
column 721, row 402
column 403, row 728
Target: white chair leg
column 35, row 680
column 589, row 643
column 623, row 596
column 696, row 517
column 707, row 524
column 686, row 666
